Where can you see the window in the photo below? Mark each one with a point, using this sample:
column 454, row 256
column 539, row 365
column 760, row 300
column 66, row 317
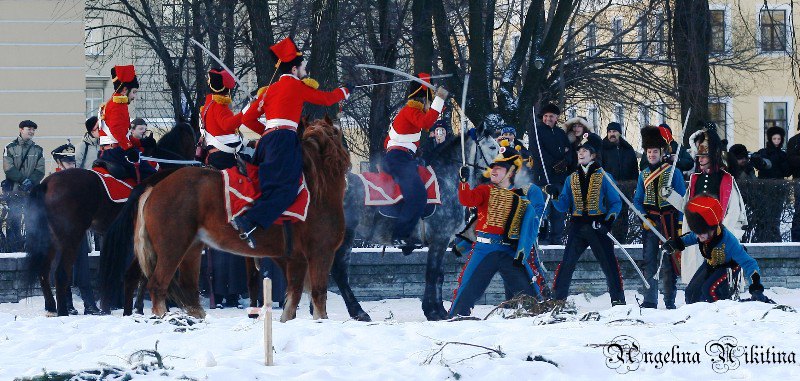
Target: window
column 775, row 116
column 594, row 117
column 94, row 97
column 616, row 29
column 717, row 31
column 658, row 35
column 644, row 116
column 773, row 30
column 619, row 115
column 643, row 40
column 570, row 43
column 662, row 113
column 93, row 35
column 172, row 13
column 591, row 39
column 718, row 112
column 572, row 112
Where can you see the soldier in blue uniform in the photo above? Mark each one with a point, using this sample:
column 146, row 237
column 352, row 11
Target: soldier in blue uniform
column 594, row 206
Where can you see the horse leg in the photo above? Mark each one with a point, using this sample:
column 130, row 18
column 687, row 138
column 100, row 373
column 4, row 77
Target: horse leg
column 139, row 305
column 132, row 280
column 432, row 298
column 319, row 265
column 253, row 286
column 68, row 248
column 44, row 281
column 340, row 274
column 295, row 270
column 189, row 280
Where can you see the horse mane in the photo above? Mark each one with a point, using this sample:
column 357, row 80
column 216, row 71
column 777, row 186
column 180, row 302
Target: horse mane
column 174, row 140
column 325, row 161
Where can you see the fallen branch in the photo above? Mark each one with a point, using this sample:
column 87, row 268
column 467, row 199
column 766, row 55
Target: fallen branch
column 489, row 351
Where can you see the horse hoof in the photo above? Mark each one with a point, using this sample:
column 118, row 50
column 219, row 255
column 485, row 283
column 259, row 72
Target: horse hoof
column 361, row 316
column 434, row 316
column 50, row 314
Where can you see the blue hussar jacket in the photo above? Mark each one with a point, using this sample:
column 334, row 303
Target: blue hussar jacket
column 530, row 223
column 601, row 198
column 723, row 251
column 650, row 197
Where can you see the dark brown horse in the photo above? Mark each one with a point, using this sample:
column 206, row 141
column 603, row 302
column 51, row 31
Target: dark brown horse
column 175, row 218
column 68, row 203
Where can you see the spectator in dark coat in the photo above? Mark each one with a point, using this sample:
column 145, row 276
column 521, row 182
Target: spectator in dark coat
column 739, row 164
column 439, row 139
column 575, row 128
column 771, row 163
column 793, row 160
column 557, row 156
column 684, row 163
column 619, row 157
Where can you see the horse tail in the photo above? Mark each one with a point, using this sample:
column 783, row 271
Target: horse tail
column 37, row 235
column 146, row 255
column 117, row 245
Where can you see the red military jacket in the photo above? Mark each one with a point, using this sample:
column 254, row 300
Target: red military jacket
column 115, row 122
column 218, row 119
column 488, row 221
column 282, row 103
column 407, row 126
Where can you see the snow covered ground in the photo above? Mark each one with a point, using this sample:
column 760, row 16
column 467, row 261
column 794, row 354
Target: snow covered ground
column 400, row 345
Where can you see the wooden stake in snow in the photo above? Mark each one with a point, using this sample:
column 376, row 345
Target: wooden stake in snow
column 267, row 321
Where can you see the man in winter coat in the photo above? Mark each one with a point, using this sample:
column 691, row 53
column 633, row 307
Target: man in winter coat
column 23, row 164
column 86, row 153
column 557, row 156
column 793, row 160
column 619, row 157
column 739, row 164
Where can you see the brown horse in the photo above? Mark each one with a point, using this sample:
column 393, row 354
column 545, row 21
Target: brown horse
column 68, row 203
column 174, row 219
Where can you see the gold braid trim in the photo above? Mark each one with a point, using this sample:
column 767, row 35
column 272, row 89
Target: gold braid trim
column 415, row 104
column 577, row 197
column 717, row 256
column 593, row 194
column 221, row 99
column 499, row 208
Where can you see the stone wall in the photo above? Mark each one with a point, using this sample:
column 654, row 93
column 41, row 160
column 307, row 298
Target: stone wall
column 375, row 274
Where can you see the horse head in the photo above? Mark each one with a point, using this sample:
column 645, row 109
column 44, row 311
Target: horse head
column 178, row 143
column 325, row 160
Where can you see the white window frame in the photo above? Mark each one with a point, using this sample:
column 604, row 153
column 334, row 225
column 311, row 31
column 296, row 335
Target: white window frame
column 728, row 35
column 98, row 49
column 644, row 111
column 620, row 118
column 617, row 37
column 572, row 112
column 659, row 47
column 95, row 102
column 729, row 129
column 662, row 111
column 789, row 28
column 591, row 39
column 644, row 44
column 593, row 117
column 789, row 113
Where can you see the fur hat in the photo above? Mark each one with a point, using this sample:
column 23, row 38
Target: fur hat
column 124, row 76
column 567, row 126
column 219, row 80
column 415, row 90
column 550, row 108
column 775, row 130
column 656, row 137
column 738, row 151
column 703, row 213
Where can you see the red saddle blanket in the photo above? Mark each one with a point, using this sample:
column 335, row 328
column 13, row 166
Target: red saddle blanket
column 117, row 190
column 380, row 188
column 241, row 191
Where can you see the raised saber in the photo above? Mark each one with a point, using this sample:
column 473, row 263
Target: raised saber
column 646, row 284
column 402, row 80
column 464, row 120
column 219, row 61
column 675, row 160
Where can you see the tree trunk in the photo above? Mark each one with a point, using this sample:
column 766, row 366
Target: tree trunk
column 322, row 64
column 692, row 36
column 229, row 31
column 261, row 30
column 384, row 50
column 199, row 65
column 479, row 83
column 422, row 36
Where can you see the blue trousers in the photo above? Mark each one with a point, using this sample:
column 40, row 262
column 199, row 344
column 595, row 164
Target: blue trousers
column 402, row 166
column 117, row 155
column 710, row 284
column 280, row 165
column 651, row 252
column 581, row 236
column 485, row 261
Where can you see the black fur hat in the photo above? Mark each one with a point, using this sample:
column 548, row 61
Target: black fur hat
column 739, row 151
column 550, row 108
column 653, row 138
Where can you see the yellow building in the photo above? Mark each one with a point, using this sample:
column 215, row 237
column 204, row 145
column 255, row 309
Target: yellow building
column 42, row 67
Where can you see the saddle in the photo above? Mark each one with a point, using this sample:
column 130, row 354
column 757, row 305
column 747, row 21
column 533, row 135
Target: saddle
column 242, row 190
column 381, row 191
column 114, row 169
column 118, row 185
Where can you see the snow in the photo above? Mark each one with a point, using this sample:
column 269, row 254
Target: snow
column 400, row 344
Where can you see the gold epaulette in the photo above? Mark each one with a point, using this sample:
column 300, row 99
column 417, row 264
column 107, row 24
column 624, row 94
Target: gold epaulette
column 415, row 104
column 221, row 99
column 311, row 82
column 120, row 99
column 261, row 91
